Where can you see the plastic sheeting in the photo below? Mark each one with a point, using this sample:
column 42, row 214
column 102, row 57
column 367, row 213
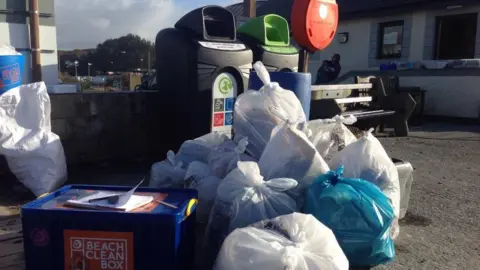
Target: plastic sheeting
column 359, row 215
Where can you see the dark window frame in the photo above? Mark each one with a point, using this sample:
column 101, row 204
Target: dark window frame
column 438, row 26
column 381, row 32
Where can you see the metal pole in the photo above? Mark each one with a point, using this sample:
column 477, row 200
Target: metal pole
column 89, row 70
column 250, row 8
column 35, row 41
column 149, row 65
column 76, row 75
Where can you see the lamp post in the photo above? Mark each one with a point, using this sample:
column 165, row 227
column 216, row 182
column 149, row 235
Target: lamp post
column 89, row 64
column 76, row 74
column 141, row 60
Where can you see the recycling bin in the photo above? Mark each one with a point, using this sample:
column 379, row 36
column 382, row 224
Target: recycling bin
column 201, row 68
column 269, row 38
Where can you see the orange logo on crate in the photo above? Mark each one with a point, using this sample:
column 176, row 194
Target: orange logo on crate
column 92, row 250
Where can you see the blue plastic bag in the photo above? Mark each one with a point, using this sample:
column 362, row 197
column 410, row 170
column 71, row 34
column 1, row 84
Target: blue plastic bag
column 359, row 215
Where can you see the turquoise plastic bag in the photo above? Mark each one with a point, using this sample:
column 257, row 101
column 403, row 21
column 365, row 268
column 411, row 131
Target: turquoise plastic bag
column 359, row 215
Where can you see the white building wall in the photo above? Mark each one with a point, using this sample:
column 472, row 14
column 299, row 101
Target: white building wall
column 17, row 35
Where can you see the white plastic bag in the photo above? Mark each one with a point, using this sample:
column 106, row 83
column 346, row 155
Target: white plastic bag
column 199, row 176
column 331, row 135
column 257, row 113
column 8, row 50
column 200, row 148
column 244, row 198
column 290, row 154
column 367, row 159
column 33, row 152
column 296, row 241
column 224, row 158
column 167, row 173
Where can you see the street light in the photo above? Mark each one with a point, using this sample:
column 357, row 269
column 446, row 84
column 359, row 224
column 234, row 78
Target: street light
column 141, row 60
column 76, row 65
column 89, row 64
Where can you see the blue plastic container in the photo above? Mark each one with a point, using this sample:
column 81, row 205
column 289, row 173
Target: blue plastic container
column 11, row 71
column 158, row 237
column 299, row 83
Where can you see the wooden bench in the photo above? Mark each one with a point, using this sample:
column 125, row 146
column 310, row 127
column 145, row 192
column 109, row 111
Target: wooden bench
column 366, row 101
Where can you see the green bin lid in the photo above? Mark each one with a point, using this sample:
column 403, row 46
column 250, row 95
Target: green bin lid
column 269, row 30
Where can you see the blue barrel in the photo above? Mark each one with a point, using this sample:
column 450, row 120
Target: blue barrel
column 298, row 83
column 11, row 71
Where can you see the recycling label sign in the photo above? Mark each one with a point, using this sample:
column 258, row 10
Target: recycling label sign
column 224, row 92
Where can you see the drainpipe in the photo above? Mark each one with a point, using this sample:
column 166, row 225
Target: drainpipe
column 35, row 41
column 250, row 8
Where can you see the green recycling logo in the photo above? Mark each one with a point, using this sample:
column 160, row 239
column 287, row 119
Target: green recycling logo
column 225, row 85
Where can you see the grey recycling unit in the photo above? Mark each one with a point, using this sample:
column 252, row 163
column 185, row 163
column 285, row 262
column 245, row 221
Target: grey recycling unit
column 201, row 68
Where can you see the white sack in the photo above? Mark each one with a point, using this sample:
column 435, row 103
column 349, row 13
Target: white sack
column 257, row 113
column 367, row 159
column 224, row 158
column 244, row 198
column 331, row 135
column 8, row 50
column 33, row 152
column 290, row 154
column 199, row 148
column 199, row 176
column 296, row 241
column 167, row 173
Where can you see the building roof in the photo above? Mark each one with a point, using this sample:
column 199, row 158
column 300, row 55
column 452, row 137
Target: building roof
column 352, row 8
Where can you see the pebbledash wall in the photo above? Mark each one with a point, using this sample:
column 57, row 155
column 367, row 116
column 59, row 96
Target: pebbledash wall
column 14, row 30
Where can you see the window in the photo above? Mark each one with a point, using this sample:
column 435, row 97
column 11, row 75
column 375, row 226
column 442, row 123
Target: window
column 456, row 36
column 390, row 40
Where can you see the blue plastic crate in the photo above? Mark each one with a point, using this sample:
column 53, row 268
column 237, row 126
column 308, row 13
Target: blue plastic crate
column 60, row 238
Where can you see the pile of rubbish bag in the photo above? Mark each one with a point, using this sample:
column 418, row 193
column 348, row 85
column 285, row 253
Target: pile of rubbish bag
column 287, row 193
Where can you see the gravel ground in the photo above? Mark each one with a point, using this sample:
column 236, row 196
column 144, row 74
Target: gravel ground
column 442, row 227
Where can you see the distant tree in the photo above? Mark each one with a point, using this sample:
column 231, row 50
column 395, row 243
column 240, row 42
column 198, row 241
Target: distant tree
column 119, row 54
column 123, row 54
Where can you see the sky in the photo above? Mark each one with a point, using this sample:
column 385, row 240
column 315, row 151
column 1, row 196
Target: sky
column 82, row 24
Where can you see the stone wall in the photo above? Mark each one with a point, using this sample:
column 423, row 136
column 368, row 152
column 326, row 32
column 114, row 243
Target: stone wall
column 96, row 127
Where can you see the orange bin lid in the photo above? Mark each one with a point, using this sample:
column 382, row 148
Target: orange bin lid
column 314, row 23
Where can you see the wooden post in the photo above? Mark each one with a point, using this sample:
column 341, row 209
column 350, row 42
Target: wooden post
column 250, row 8
column 35, row 41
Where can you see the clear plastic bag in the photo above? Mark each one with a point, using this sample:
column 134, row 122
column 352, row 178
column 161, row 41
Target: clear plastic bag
column 359, row 215
column 200, row 148
column 244, row 198
column 295, row 241
column 167, row 173
column 290, row 154
column 33, row 152
column 224, row 158
column 257, row 113
column 367, row 159
column 331, row 135
column 199, row 176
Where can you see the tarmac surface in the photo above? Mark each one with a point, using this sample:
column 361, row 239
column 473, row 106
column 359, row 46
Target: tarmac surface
column 442, row 227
